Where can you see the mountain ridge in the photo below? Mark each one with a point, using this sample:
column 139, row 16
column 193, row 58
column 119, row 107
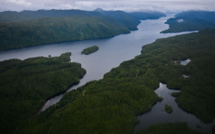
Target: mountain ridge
column 191, row 21
column 31, row 28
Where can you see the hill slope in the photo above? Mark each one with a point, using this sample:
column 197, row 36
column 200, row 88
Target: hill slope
column 60, row 29
column 190, row 21
column 26, row 85
column 30, row 28
column 147, row 15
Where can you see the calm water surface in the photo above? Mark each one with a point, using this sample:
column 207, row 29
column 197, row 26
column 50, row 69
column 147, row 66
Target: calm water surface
column 158, row 115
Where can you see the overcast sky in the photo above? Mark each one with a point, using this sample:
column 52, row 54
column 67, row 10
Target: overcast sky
column 126, row 5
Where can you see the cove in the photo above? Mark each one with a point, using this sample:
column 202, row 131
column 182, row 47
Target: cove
column 112, row 51
column 158, row 115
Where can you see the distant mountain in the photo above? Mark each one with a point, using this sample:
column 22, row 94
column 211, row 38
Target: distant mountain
column 12, row 16
column 99, row 10
column 191, row 20
column 30, row 28
column 57, row 29
column 147, row 15
column 125, row 18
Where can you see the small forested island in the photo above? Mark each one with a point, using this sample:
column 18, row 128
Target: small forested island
column 90, row 50
column 191, row 21
column 26, row 85
column 110, row 105
column 168, row 109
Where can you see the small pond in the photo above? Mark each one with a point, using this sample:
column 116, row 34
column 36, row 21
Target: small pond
column 158, row 115
column 185, row 62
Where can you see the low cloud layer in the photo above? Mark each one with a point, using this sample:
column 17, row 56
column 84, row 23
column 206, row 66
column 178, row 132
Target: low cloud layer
column 126, row 5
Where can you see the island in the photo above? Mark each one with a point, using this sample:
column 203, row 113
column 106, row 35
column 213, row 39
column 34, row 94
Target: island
column 90, row 50
column 168, row 108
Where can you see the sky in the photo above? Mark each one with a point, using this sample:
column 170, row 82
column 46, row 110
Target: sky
column 125, row 5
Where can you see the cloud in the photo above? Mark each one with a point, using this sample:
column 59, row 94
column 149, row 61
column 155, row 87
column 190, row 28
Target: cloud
column 126, row 5
column 17, row 2
column 159, row 5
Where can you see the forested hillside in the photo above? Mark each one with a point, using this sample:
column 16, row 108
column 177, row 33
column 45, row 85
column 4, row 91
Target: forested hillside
column 13, row 16
column 190, row 21
column 147, row 15
column 168, row 128
column 26, row 85
column 111, row 105
column 30, row 28
column 50, row 30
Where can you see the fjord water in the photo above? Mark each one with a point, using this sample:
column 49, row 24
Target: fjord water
column 112, row 51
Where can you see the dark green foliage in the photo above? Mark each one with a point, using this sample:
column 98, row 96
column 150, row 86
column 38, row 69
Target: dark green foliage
column 191, row 20
column 30, row 28
column 213, row 129
column 160, row 99
column 124, row 18
column 26, row 85
column 108, row 106
column 168, row 109
column 90, row 50
column 49, row 30
column 168, row 128
column 199, row 87
column 12, row 16
column 175, row 94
